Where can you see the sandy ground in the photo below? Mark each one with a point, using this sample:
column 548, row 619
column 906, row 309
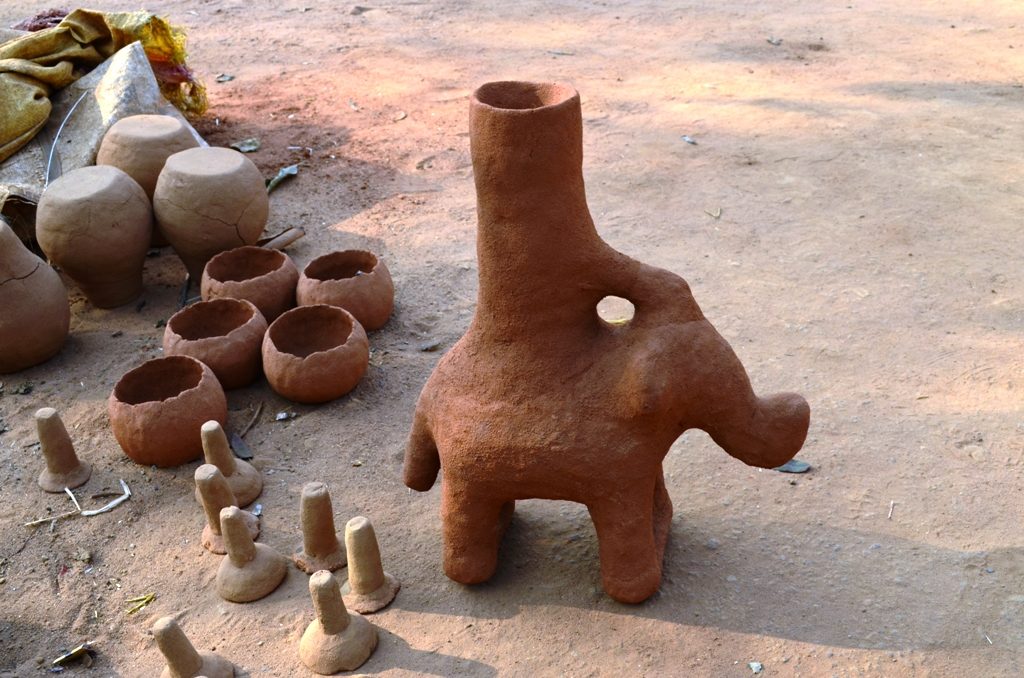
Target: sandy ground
column 867, row 253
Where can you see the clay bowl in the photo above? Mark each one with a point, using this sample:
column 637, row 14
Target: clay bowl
column 157, row 410
column 312, row 354
column 355, row 280
column 263, row 276
column 225, row 334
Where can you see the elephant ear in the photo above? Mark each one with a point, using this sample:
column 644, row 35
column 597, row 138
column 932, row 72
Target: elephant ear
column 643, row 387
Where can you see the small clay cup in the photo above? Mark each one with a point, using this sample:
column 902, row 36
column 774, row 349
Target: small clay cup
column 208, row 200
column 225, row 334
column 157, row 410
column 355, row 280
column 263, row 276
column 96, row 224
column 312, row 354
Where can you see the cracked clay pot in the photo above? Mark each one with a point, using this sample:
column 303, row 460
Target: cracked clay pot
column 313, row 354
column 208, row 200
column 541, row 398
column 225, row 334
column 95, row 223
column 263, row 276
column 36, row 316
column 157, row 410
column 356, row 280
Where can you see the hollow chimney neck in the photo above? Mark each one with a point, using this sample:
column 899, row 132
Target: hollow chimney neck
column 535, row 237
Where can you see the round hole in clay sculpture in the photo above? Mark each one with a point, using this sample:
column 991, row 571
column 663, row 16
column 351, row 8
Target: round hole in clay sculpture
column 265, row 277
column 225, row 334
column 616, row 310
column 157, row 410
column 355, row 280
column 312, row 354
column 523, row 95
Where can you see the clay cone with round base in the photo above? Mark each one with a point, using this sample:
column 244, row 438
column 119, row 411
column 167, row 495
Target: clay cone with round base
column 214, row 494
column 251, row 571
column 336, row 640
column 321, row 549
column 245, row 481
column 369, row 587
column 183, row 661
column 63, row 468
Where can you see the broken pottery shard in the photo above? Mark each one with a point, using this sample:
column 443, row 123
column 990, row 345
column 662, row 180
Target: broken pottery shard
column 214, row 494
column 336, row 640
column 183, row 661
column 321, row 549
column 251, row 571
column 543, row 399
column 369, row 587
column 63, row 468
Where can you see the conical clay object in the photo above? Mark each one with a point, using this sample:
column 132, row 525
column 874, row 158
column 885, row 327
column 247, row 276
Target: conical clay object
column 63, row 468
column 336, row 640
column 36, row 315
column 251, row 571
column 245, row 481
column 321, row 549
column 96, row 223
column 208, row 200
column 183, row 661
column 214, row 494
column 369, row 587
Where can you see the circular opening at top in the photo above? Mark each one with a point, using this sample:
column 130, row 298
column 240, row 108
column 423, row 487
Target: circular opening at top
column 215, row 318
column 340, row 265
column 158, row 380
column 523, row 95
column 244, row 263
column 616, row 310
column 307, row 330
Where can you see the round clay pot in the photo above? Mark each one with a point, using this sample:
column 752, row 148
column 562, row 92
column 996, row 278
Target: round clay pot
column 312, row 354
column 208, row 200
column 224, row 334
column 355, row 280
column 35, row 314
column 96, row 223
column 263, row 276
column 157, row 410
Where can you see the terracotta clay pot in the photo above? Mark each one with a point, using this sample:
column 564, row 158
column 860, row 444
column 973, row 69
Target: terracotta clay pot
column 157, row 410
column 35, row 315
column 543, row 399
column 263, row 276
column 225, row 334
column 208, row 200
column 355, row 280
column 312, row 354
column 96, row 223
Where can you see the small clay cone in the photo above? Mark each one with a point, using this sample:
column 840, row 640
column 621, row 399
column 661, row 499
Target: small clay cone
column 321, row 549
column 369, row 587
column 214, row 493
column 335, row 640
column 245, row 481
column 63, row 469
column 183, row 661
column 251, row 571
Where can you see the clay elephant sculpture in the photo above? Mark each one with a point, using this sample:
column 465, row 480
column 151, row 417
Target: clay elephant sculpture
column 541, row 398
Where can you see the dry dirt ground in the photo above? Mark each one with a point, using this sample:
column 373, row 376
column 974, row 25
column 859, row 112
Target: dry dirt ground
column 849, row 218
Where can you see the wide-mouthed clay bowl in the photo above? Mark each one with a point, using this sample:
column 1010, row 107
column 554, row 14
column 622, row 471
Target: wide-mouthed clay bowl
column 356, row 280
column 312, row 354
column 157, row 410
column 263, row 276
column 225, row 334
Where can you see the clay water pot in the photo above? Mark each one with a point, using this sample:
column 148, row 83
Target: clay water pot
column 541, row 398
column 157, row 410
column 263, row 276
column 312, row 354
column 208, row 200
column 355, row 280
column 35, row 314
column 225, row 334
column 96, row 223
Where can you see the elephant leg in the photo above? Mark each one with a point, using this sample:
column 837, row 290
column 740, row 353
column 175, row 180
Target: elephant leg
column 422, row 460
column 662, row 515
column 630, row 556
column 474, row 523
